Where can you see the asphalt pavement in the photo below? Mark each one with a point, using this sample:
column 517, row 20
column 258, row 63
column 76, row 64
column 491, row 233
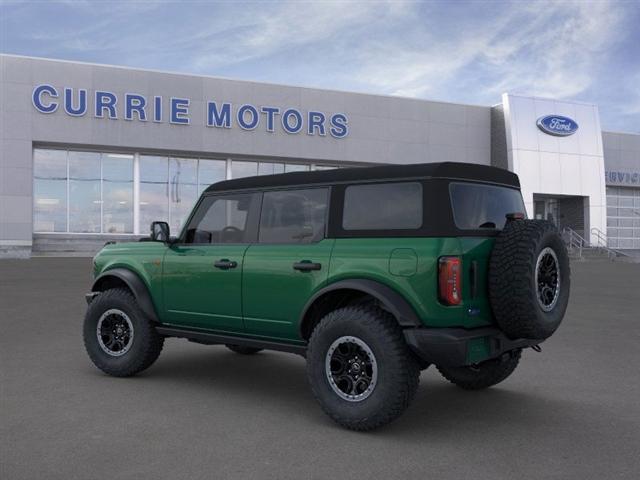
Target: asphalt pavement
column 203, row 412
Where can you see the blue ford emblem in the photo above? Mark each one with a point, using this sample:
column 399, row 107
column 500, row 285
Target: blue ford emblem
column 557, row 125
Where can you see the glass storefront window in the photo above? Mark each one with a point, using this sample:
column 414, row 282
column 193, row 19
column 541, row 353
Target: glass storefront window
column 243, row 169
column 324, row 167
column 93, row 192
column 183, row 190
column 154, row 191
column 265, row 168
column 85, row 203
column 211, row 171
column 292, row 167
column 117, row 193
column 49, row 190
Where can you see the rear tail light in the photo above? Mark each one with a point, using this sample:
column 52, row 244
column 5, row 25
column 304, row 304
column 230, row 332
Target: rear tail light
column 450, row 280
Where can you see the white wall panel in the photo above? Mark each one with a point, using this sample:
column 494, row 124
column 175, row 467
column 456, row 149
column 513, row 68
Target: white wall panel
column 546, row 164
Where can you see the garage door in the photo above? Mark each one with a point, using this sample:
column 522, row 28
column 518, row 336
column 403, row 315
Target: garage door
column 623, row 217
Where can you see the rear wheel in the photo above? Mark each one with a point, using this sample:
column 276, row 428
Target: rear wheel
column 483, row 375
column 118, row 337
column 360, row 369
column 242, row 350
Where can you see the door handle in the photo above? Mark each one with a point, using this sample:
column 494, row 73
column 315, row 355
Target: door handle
column 306, row 266
column 225, row 264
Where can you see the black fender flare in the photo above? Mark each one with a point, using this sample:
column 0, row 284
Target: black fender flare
column 397, row 305
column 135, row 284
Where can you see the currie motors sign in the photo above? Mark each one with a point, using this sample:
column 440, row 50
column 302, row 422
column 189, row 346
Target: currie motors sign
column 557, row 125
column 74, row 102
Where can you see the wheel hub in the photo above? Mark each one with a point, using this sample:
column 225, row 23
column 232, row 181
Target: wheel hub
column 547, row 278
column 351, row 368
column 115, row 332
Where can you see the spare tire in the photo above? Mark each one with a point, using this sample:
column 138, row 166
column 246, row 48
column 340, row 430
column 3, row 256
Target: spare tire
column 529, row 279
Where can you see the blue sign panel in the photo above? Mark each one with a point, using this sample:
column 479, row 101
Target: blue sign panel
column 557, row 125
column 136, row 107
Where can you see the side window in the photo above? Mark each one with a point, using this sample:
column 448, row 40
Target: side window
column 224, row 219
column 293, row 216
column 383, row 206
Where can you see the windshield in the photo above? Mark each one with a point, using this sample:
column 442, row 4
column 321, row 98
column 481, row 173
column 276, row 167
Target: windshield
column 478, row 206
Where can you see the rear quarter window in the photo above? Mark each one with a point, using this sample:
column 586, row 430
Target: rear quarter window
column 478, row 206
column 383, row 206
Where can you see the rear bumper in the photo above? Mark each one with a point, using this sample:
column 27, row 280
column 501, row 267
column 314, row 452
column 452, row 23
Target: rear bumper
column 455, row 347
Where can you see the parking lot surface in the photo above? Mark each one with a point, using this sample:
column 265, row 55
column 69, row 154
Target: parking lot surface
column 572, row 411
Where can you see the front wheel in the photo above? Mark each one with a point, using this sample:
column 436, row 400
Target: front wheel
column 360, row 369
column 483, row 375
column 118, row 337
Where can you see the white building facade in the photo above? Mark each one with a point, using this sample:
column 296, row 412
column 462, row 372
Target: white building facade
column 90, row 153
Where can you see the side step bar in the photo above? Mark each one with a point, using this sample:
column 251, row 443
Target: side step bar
column 215, row 338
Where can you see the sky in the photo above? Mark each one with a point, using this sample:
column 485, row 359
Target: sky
column 456, row 51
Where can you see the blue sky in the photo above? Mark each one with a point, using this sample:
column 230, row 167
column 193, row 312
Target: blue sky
column 458, row 51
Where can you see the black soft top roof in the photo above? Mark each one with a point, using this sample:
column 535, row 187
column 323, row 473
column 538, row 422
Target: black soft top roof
column 452, row 170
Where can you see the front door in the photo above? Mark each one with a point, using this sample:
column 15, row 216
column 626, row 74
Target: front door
column 202, row 276
column 289, row 262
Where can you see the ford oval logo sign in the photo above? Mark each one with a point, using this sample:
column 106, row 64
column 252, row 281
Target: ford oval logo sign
column 557, row 125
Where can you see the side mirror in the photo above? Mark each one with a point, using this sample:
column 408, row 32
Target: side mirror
column 160, row 232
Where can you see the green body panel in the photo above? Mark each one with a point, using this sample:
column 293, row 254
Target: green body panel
column 477, row 249
column 142, row 258
column 264, row 296
column 390, row 262
column 196, row 293
column 273, row 293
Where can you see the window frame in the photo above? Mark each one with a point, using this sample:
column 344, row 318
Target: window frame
column 390, row 229
column 325, row 230
column 253, row 217
column 454, row 183
column 336, row 218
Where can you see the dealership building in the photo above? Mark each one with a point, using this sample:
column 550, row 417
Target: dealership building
column 90, row 153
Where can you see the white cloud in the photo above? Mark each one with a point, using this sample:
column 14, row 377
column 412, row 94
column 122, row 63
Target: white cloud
column 261, row 32
column 545, row 49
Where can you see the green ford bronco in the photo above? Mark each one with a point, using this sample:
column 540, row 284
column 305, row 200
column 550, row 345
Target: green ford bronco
column 372, row 274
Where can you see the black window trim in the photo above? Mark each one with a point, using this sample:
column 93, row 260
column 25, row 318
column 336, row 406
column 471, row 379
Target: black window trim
column 336, row 218
column 436, row 224
column 388, row 230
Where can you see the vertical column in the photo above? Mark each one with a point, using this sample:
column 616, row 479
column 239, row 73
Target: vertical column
column 229, row 169
column 101, row 195
column 68, row 189
column 136, row 194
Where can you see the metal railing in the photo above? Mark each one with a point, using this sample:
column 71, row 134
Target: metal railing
column 577, row 243
column 574, row 241
column 603, row 244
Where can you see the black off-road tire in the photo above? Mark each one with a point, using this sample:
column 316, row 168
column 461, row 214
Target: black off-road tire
column 398, row 371
column 146, row 344
column 483, row 375
column 242, row 349
column 513, row 290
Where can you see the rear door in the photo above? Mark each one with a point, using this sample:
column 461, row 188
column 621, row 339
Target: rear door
column 202, row 278
column 289, row 262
